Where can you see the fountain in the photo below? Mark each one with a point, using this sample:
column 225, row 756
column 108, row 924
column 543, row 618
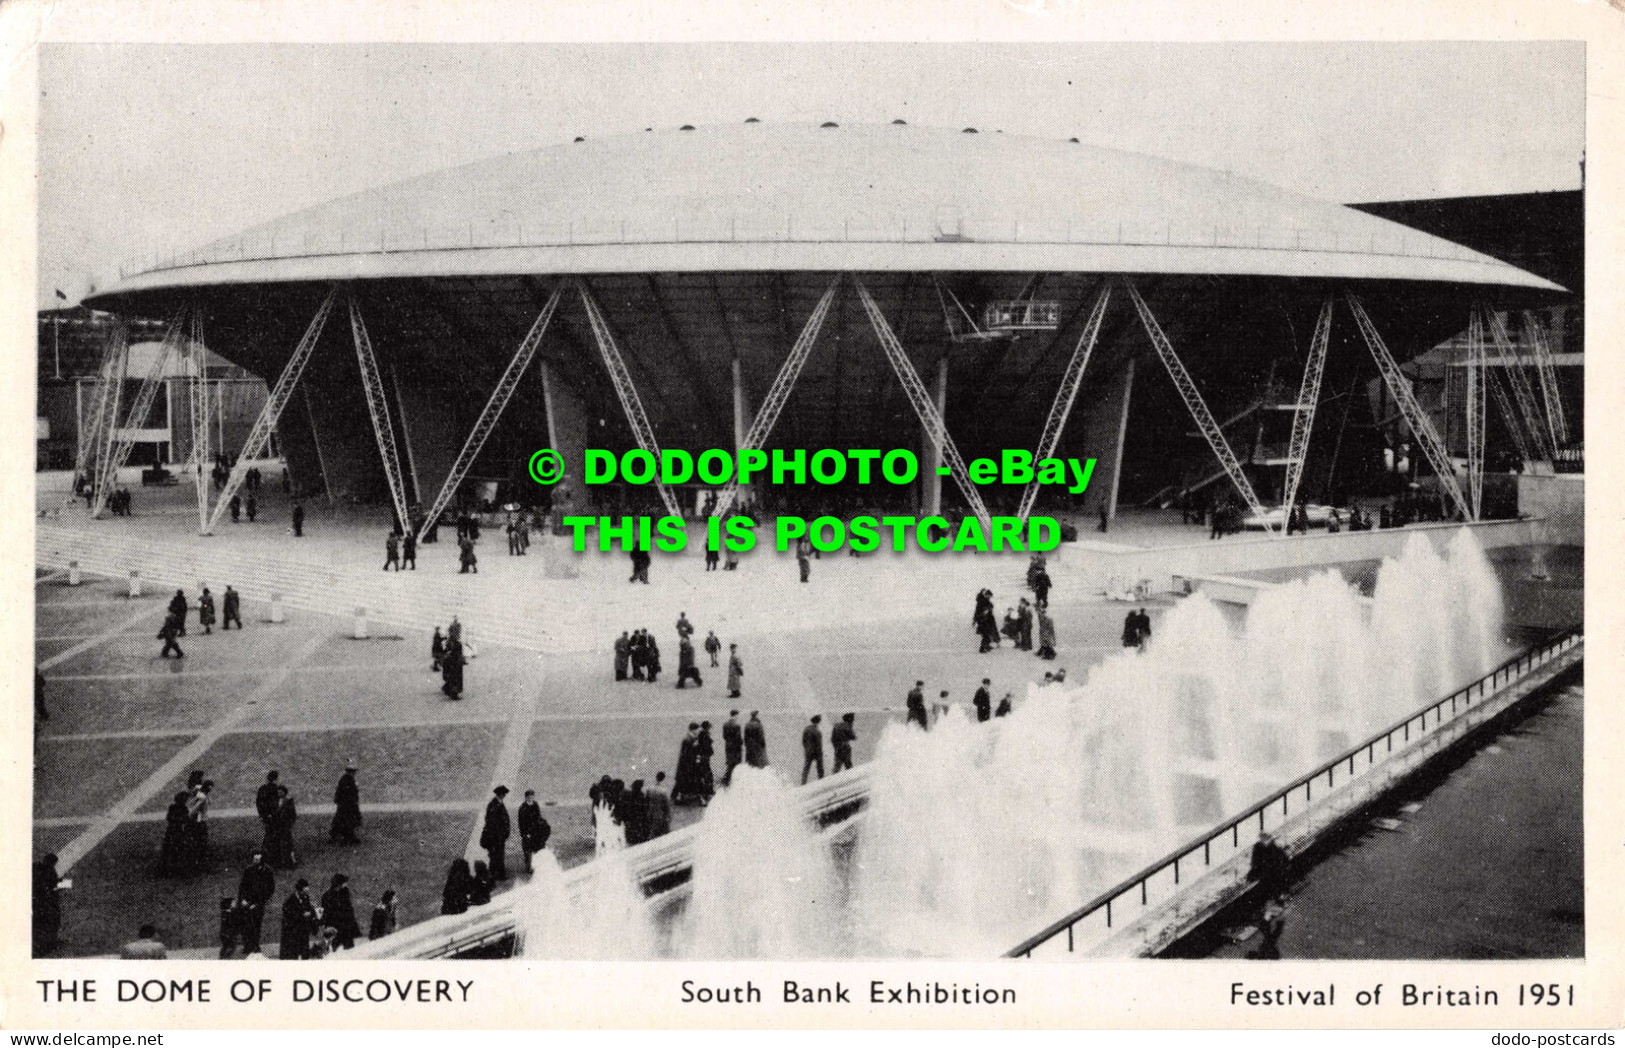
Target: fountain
column 976, row 834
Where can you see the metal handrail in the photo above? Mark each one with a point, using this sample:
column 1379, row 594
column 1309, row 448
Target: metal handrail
column 1489, row 684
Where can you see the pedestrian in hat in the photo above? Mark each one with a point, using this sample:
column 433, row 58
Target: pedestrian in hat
column 494, row 835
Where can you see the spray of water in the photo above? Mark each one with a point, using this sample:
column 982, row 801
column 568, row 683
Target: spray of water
column 977, row 834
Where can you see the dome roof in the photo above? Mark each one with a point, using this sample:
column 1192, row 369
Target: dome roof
column 757, row 196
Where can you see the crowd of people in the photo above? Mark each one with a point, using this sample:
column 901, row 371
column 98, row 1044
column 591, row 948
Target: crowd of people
column 1019, row 621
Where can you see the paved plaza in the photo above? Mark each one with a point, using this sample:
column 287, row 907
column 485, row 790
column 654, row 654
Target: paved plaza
column 303, row 697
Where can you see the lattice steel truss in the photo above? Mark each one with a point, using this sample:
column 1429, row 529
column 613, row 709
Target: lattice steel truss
column 492, row 412
column 1198, row 407
column 383, row 427
column 119, row 449
column 925, row 407
column 109, row 377
column 260, row 435
column 1061, row 409
column 631, row 404
column 1523, row 395
column 1303, row 418
column 197, row 383
column 761, row 426
column 1476, row 383
column 1421, row 426
column 1546, row 370
column 1509, row 414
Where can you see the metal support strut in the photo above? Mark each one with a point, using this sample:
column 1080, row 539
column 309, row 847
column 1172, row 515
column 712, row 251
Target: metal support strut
column 109, row 377
column 378, row 407
column 118, row 449
column 1421, row 426
column 1197, row 406
column 1546, row 369
column 492, row 412
column 762, row 426
column 1303, row 419
column 1476, row 383
column 924, row 406
column 1061, row 409
column 260, row 435
column 1512, row 365
column 197, row 383
column 626, row 391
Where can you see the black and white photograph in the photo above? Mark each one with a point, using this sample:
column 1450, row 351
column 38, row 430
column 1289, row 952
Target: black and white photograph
column 693, row 501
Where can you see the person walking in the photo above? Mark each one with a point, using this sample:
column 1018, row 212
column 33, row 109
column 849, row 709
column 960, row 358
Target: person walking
column 533, row 829
column 299, row 923
column 686, row 670
column 236, row 505
column 841, row 738
column 392, row 551
column 266, row 799
column 409, row 553
column 205, row 610
column 338, row 913
column 712, row 646
column 733, row 746
column 1046, row 633
column 494, row 835
column 437, row 650
column 346, row 808
column 659, row 806
column 623, row 655
column 812, row 749
column 465, row 557
column 804, row 557
column 197, row 811
column 279, row 836
column 298, row 518
column 705, row 748
column 231, row 607
column 252, row 506
column 172, row 854
column 177, row 608
column 736, row 673
column 167, row 633
column 451, row 669
column 1041, row 587
column 254, row 890
column 755, row 742
column 685, row 628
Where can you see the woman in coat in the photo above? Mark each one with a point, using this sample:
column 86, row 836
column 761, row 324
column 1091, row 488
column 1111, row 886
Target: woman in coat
column 338, row 913
column 205, row 611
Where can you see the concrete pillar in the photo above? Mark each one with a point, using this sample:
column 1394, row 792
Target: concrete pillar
column 135, row 584
column 73, row 573
column 276, row 607
column 360, row 631
column 931, row 459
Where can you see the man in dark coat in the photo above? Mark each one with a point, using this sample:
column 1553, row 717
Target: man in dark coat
column 1142, row 627
column 686, row 669
column 755, row 742
column 174, row 856
column 812, row 749
column 651, row 656
column 409, row 551
column 167, row 633
column 635, row 813
column 1131, row 630
column 704, row 748
column 231, row 609
column 1024, row 624
column 298, row 520
column 637, row 652
column 392, row 551
column 266, row 799
column 733, row 745
column 712, row 646
column 1041, row 588
column 916, row 705
column 236, row 508
column 253, row 507
column 533, row 828
column 623, row 654
column 841, row 738
column 346, row 809
column 279, row 835
column 299, row 922
column 177, row 608
column 338, row 913
column 255, row 889
column 685, row 790
column 451, row 669
column 983, row 701
column 494, row 835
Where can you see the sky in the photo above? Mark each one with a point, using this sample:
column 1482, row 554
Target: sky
column 152, row 148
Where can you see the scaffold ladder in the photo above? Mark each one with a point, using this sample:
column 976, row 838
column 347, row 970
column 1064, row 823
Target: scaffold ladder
column 378, row 407
column 492, row 412
column 197, row 381
column 1476, row 382
column 1303, row 418
column 631, row 404
column 761, row 426
column 1523, row 395
column 119, row 448
column 1420, row 425
column 271, row 414
column 1198, row 407
column 1546, row 369
column 936, row 429
column 1061, row 409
